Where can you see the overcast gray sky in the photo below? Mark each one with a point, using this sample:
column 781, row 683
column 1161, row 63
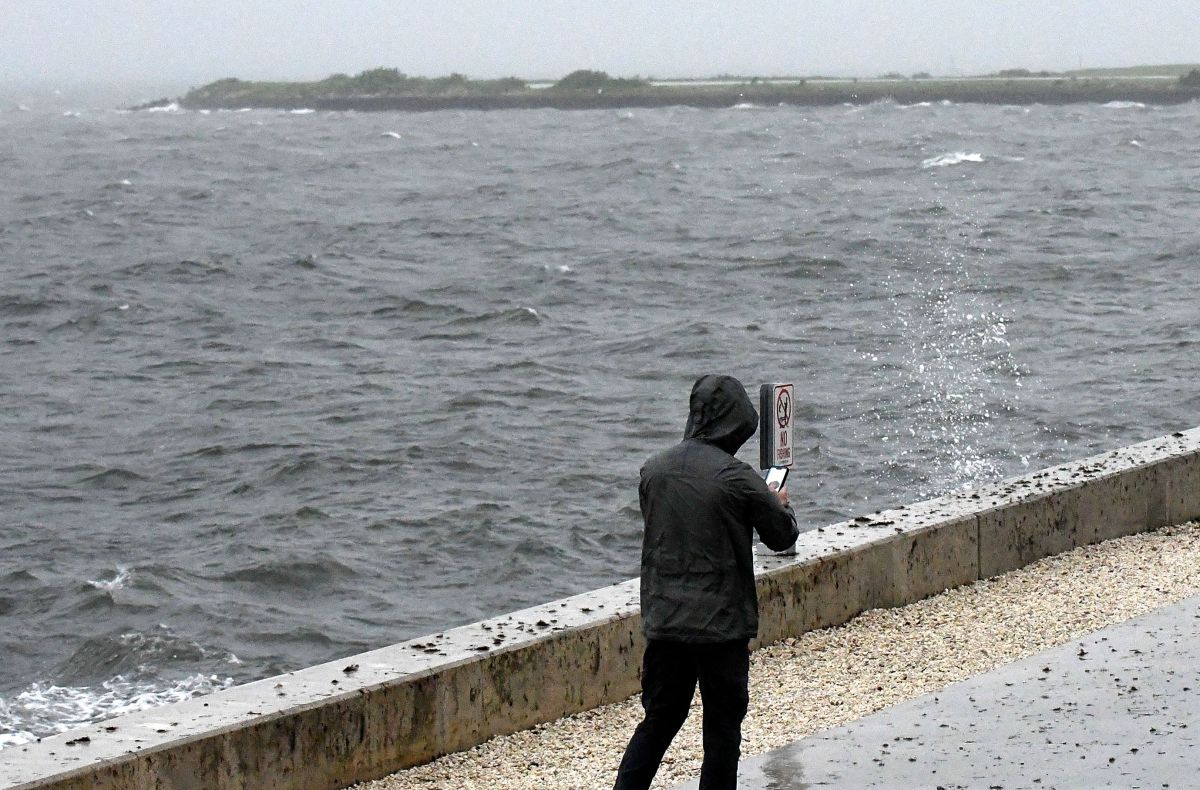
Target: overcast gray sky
column 191, row 42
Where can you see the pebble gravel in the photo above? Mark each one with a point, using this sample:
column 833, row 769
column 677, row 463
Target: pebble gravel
column 836, row 675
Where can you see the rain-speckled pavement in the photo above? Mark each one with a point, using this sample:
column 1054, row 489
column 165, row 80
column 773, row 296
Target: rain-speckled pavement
column 1118, row 708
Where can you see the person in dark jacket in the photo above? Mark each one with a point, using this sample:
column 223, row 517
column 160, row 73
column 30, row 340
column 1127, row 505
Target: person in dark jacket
column 700, row 506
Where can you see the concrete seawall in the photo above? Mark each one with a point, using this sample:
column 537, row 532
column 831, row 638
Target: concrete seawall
column 374, row 713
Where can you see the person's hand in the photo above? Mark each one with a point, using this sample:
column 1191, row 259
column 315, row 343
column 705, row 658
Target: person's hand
column 779, row 492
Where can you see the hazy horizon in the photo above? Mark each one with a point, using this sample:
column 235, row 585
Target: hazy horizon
column 149, row 47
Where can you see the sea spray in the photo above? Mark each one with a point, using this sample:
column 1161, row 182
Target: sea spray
column 45, row 709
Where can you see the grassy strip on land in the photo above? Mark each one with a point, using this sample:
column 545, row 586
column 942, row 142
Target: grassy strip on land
column 1168, row 70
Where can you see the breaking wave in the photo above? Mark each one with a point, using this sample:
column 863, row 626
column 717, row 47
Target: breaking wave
column 956, row 158
column 46, row 709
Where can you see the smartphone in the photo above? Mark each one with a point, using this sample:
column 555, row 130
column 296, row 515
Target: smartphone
column 776, row 476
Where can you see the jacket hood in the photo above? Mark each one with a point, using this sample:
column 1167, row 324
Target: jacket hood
column 721, row 413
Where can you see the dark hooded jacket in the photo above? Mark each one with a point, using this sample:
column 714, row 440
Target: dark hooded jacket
column 700, row 506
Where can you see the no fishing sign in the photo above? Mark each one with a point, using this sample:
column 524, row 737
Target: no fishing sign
column 775, row 409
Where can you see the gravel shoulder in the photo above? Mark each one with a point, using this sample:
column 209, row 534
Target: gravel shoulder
column 833, row 676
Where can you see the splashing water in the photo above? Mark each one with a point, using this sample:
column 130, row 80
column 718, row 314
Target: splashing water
column 956, row 372
column 110, row 676
column 44, row 708
column 122, row 577
column 956, row 348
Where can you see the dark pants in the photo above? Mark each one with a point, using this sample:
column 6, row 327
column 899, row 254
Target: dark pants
column 670, row 671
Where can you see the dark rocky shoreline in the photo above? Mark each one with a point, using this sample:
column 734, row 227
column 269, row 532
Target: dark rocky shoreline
column 985, row 92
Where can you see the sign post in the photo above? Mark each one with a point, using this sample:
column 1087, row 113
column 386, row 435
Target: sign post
column 776, row 406
column 775, row 409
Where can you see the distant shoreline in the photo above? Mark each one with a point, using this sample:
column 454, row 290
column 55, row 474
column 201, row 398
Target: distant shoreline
column 811, row 93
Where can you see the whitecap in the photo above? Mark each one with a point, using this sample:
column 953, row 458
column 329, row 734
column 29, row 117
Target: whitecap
column 301, row 111
column 70, row 114
column 393, row 135
column 1124, row 105
column 1135, row 143
column 956, row 158
column 746, row 106
column 918, row 104
column 123, row 575
column 172, row 107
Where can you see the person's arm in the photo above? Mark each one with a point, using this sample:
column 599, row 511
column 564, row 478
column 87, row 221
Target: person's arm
column 767, row 511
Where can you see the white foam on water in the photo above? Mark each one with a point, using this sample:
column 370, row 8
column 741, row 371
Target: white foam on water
column 301, row 111
column 1135, row 143
column 45, row 709
column 913, row 106
column 956, row 158
column 123, row 575
column 172, row 107
column 1124, row 105
column 747, row 106
column 14, row 738
column 393, row 135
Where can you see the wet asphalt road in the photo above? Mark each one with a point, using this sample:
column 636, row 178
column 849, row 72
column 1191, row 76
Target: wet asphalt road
column 1117, row 708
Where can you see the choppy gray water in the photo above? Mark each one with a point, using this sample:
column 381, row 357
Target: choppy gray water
column 278, row 387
